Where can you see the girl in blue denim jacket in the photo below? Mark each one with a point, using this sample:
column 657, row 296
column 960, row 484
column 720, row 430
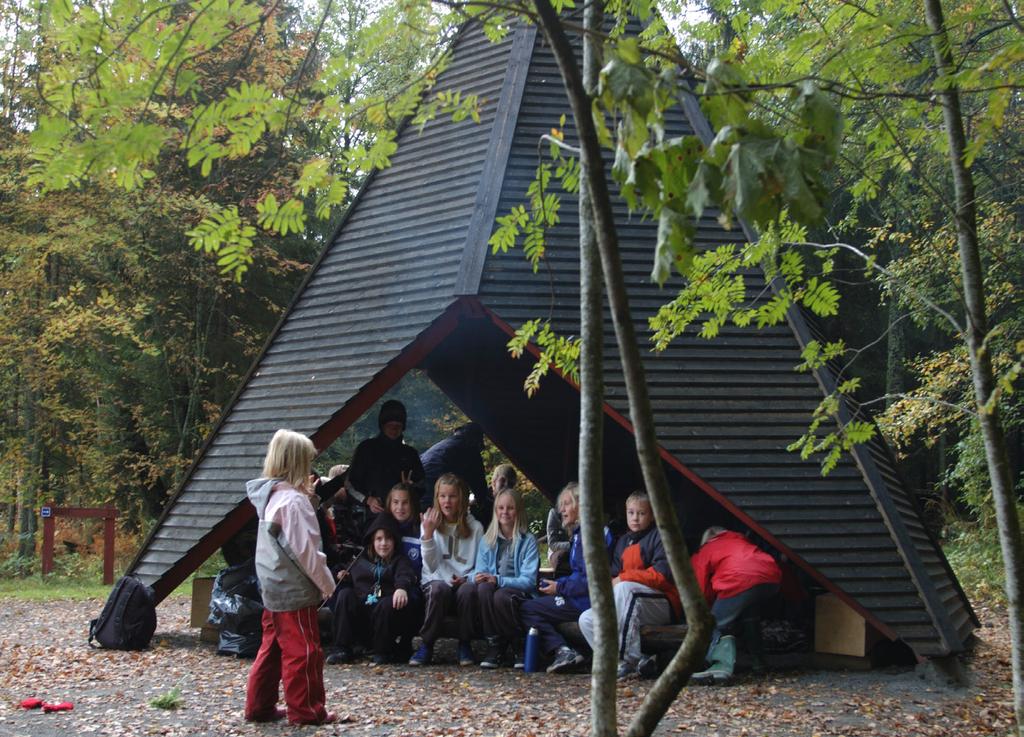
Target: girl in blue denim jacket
column 566, row 598
column 506, row 575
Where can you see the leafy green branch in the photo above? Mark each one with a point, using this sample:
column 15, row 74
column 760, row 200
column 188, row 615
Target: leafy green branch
column 115, row 109
column 554, row 350
column 529, row 228
column 832, row 445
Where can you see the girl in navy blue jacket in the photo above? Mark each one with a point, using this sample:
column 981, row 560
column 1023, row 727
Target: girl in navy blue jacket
column 506, row 574
column 565, row 598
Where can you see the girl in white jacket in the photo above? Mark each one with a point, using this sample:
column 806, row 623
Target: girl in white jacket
column 449, row 540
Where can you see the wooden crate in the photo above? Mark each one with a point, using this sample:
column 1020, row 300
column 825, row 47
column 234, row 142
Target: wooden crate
column 202, row 589
column 840, row 630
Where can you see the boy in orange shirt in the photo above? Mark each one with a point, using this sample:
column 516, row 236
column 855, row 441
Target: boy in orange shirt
column 642, row 584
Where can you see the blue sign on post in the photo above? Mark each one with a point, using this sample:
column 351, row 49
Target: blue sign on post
column 46, row 512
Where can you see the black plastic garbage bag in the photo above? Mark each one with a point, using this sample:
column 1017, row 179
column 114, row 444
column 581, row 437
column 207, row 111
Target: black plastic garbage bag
column 236, row 606
column 241, row 646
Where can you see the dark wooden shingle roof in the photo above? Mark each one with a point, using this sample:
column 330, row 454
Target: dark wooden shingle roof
column 410, row 280
column 391, row 272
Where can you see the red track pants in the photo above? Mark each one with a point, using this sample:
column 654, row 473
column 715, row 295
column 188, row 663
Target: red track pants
column 290, row 651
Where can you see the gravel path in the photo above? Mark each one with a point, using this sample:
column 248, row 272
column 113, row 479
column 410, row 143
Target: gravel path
column 43, row 653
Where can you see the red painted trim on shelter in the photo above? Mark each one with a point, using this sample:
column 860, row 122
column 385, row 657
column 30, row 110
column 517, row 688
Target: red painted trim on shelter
column 711, row 491
column 390, row 375
column 202, row 550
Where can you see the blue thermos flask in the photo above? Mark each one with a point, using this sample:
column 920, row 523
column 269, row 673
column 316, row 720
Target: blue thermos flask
column 531, row 663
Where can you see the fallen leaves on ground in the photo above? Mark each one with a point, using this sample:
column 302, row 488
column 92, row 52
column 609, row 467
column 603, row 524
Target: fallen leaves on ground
column 43, row 653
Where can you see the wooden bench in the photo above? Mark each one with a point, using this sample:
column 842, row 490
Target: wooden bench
column 654, row 639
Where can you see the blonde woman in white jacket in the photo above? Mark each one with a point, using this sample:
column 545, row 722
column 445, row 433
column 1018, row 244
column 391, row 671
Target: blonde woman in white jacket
column 449, row 540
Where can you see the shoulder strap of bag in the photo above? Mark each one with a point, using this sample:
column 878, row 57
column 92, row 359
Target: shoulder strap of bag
column 108, row 610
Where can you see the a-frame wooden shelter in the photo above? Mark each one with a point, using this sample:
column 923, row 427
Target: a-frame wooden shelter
column 409, row 282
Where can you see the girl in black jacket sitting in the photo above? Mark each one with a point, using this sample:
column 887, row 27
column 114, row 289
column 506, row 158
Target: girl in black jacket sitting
column 374, row 603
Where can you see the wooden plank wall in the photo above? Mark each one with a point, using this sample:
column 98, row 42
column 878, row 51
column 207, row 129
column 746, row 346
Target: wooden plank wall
column 728, row 408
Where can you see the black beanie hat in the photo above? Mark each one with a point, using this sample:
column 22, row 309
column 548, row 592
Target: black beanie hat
column 383, row 521
column 391, row 411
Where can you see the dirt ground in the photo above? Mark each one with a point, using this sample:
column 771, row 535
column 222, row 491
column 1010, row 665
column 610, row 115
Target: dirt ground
column 43, row 653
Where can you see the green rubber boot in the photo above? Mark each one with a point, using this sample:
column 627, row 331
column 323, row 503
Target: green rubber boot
column 723, row 663
column 754, row 644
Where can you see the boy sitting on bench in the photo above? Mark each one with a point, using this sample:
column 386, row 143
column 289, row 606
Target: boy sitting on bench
column 642, row 586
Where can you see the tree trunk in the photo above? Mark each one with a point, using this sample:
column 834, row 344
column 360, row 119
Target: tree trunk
column 28, row 492
column 603, row 718
column 947, row 500
column 895, row 349
column 982, row 373
column 691, row 654
column 27, row 533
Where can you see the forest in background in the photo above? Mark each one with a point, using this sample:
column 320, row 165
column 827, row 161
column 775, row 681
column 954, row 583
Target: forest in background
column 122, row 343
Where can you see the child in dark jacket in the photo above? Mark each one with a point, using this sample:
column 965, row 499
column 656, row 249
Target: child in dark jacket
column 401, row 503
column 642, row 584
column 564, row 599
column 375, row 604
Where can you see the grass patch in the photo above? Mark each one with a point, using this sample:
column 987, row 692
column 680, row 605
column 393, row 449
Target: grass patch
column 973, row 552
column 76, row 577
column 170, row 700
column 45, row 588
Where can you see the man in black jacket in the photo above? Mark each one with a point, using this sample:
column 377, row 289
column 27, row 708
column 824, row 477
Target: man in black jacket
column 459, row 454
column 383, row 461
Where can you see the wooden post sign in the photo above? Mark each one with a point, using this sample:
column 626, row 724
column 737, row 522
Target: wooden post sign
column 49, row 513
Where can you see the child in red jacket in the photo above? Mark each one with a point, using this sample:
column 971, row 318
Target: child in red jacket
column 735, row 577
column 642, row 584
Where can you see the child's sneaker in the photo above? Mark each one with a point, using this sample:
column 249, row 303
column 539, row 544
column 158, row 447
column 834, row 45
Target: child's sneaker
column 339, row 656
column 423, row 656
column 626, row 670
column 519, row 654
column 565, row 660
column 648, row 666
column 465, row 653
column 496, row 647
column 273, row 716
column 519, row 661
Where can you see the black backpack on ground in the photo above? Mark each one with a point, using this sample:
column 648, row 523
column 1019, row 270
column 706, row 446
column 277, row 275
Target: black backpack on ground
column 128, row 619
